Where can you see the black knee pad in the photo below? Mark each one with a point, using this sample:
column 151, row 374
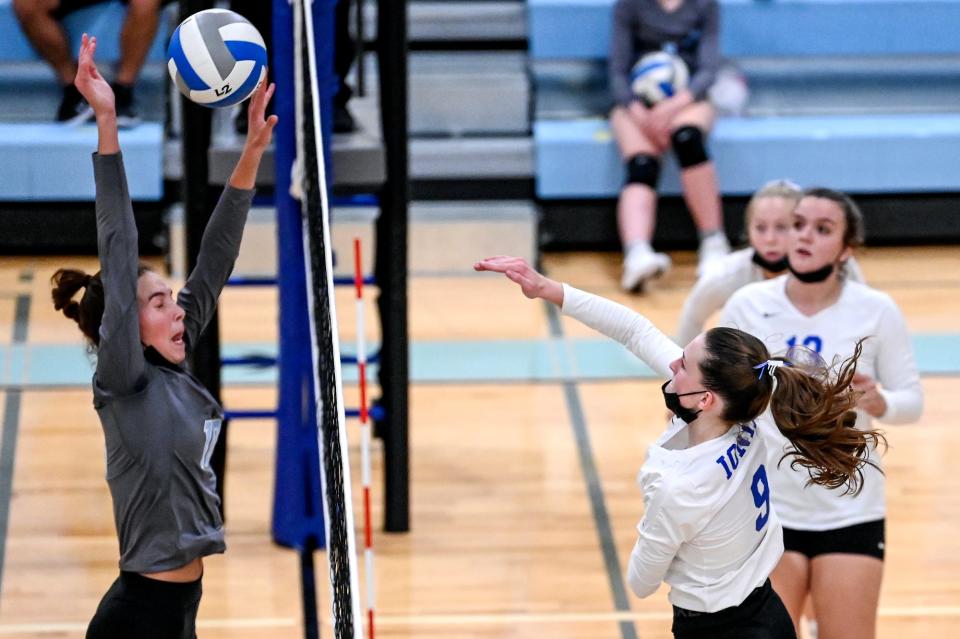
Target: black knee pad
column 688, row 146
column 643, row 169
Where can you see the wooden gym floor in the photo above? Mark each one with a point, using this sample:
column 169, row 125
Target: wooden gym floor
column 523, row 495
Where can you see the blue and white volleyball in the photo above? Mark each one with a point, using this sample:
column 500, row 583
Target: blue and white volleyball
column 657, row 76
column 217, row 58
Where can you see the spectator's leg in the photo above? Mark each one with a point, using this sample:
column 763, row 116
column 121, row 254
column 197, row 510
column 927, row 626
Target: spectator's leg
column 700, row 189
column 636, row 208
column 40, row 22
column 698, row 176
column 136, row 37
column 47, row 36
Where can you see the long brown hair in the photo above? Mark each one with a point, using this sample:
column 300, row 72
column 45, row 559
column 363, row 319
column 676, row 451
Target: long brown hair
column 814, row 409
column 88, row 312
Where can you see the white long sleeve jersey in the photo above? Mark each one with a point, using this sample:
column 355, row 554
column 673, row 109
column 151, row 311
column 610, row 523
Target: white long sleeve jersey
column 764, row 310
column 731, row 273
column 708, row 528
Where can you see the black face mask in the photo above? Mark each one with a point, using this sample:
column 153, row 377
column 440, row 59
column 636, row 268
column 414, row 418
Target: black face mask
column 672, row 400
column 813, row 277
column 777, row 266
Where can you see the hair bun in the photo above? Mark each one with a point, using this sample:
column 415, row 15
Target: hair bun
column 72, row 310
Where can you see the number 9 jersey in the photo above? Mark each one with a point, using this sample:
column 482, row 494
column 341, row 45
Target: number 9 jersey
column 708, row 529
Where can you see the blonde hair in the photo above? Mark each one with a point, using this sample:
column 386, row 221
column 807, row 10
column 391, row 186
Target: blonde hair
column 775, row 188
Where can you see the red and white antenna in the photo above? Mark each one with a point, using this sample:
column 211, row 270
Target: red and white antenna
column 364, row 436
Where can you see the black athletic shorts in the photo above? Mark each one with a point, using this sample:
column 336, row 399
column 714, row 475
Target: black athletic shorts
column 762, row 615
column 69, row 6
column 860, row 539
column 137, row 606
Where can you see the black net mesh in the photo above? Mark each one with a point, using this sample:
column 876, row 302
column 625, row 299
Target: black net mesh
column 338, row 547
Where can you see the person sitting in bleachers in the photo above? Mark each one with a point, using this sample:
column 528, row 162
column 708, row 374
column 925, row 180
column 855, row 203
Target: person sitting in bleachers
column 681, row 122
column 40, row 21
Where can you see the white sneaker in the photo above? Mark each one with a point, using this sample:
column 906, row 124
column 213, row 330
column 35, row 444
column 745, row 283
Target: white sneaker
column 712, row 248
column 640, row 267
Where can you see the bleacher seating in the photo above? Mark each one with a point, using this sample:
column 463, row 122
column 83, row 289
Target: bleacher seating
column 885, row 123
column 877, row 154
column 569, row 29
column 50, row 162
column 45, row 161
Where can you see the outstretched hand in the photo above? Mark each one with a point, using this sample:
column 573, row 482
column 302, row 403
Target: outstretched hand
column 91, row 85
column 533, row 284
column 260, row 127
column 259, row 133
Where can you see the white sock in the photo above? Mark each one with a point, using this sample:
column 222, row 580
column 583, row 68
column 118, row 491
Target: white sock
column 638, row 248
column 715, row 240
column 707, row 234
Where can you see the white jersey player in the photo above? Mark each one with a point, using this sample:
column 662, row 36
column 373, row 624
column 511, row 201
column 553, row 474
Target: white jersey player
column 834, row 542
column 709, row 529
column 767, row 220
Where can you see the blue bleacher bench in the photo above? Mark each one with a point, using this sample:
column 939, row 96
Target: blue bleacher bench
column 45, row 161
column 578, row 159
column 51, row 162
column 580, row 29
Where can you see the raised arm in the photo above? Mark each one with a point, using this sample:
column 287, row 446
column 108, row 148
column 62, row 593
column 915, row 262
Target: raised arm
column 120, row 362
column 616, row 321
column 220, row 245
column 624, row 325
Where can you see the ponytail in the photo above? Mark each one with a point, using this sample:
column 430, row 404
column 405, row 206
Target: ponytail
column 817, row 415
column 812, row 410
column 88, row 312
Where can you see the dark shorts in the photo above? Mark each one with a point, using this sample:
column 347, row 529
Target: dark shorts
column 860, row 539
column 137, row 606
column 69, row 6
column 762, row 615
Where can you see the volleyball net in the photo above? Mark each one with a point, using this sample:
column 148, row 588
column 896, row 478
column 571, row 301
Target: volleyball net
column 327, row 379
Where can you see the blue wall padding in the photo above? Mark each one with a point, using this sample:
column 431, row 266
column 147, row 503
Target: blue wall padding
column 575, row 29
column 864, row 153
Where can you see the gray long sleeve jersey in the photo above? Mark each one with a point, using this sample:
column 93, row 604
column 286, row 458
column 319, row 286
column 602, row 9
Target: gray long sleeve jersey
column 642, row 26
column 159, row 423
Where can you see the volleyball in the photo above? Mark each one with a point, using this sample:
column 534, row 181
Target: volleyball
column 217, row 58
column 657, row 76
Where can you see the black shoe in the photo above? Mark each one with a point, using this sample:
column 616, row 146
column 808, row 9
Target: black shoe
column 126, row 107
column 73, row 108
column 343, row 122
